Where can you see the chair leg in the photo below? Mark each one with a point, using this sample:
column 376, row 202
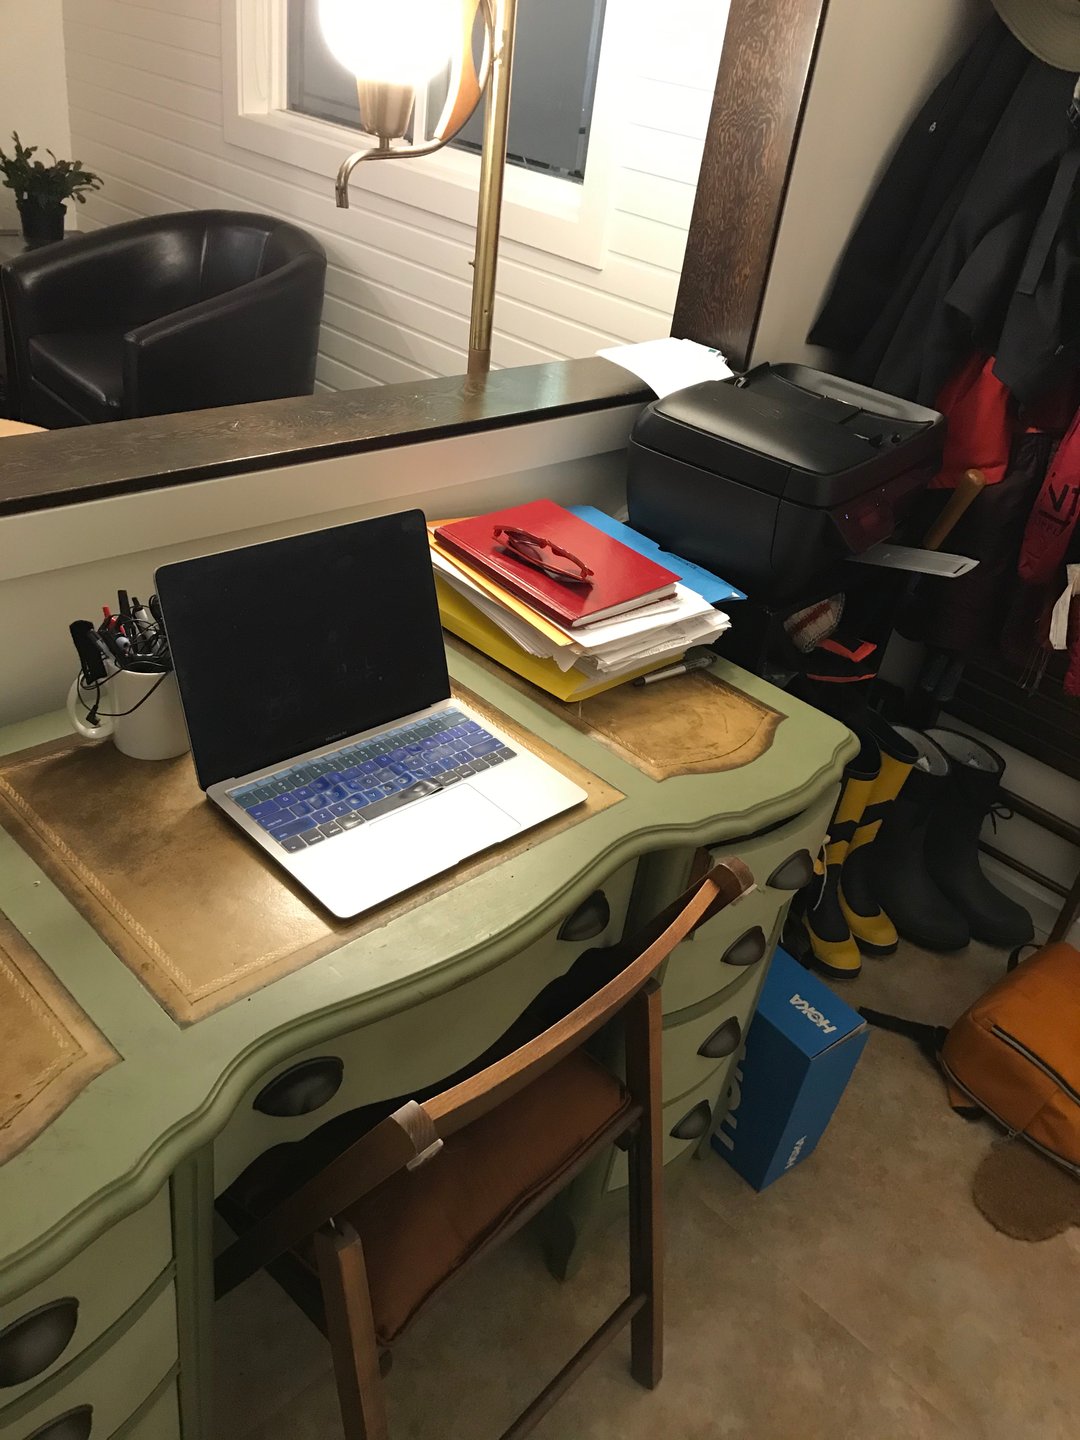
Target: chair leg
column 644, row 1020
column 351, row 1331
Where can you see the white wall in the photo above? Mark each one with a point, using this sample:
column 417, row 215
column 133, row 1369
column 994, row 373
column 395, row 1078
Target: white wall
column 877, row 63
column 145, row 90
column 33, row 90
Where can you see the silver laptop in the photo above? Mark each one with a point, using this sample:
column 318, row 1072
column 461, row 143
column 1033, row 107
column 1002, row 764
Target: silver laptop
column 314, row 684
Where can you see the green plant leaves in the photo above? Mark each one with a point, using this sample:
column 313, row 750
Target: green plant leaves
column 35, row 183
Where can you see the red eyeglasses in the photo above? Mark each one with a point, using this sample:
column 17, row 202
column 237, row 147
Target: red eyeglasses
column 536, row 551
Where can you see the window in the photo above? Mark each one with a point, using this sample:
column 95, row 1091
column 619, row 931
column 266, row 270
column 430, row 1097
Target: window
column 556, row 56
column 281, row 103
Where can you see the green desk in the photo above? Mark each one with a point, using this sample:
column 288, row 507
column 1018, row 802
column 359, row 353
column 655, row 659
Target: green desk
column 105, row 1217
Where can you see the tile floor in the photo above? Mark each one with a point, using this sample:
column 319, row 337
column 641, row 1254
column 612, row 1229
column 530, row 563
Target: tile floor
column 862, row 1295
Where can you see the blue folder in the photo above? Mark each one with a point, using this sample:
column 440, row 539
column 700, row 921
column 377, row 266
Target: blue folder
column 703, row 582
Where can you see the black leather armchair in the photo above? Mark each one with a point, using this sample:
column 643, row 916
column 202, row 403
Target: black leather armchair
column 174, row 312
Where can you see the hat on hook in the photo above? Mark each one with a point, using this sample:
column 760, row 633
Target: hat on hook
column 1050, row 29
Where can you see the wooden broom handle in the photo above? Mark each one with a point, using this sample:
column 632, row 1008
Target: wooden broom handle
column 971, row 484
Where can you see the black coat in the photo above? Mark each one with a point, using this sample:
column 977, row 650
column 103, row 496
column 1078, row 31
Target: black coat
column 937, row 262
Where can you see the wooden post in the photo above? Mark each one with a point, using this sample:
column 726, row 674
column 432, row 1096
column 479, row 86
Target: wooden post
column 761, row 91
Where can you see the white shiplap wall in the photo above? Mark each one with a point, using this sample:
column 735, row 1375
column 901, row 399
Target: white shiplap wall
column 145, row 91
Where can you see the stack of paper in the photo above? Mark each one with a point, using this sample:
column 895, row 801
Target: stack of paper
column 571, row 663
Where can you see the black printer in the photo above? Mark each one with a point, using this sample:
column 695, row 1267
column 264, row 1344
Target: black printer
column 772, row 478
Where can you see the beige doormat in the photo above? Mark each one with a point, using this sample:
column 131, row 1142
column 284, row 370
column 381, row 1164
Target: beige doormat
column 1025, row 1195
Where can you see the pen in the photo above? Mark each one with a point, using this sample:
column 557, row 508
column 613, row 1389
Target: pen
column 145, row 621
column 114, row 643
column 684, row 667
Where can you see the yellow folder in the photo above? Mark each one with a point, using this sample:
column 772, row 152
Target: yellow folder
column 464, row 620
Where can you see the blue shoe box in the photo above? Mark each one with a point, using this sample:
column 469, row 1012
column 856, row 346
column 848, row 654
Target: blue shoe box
column 801, row 1050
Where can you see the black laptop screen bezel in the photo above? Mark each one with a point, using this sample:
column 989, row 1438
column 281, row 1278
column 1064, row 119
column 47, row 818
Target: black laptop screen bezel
column 286, row 646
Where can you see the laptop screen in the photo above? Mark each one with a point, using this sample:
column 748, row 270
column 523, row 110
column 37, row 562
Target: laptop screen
column 283, row 647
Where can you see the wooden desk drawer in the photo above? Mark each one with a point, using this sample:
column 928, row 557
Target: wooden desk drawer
column 700, row 1041
column 109, row 1388
column 416, row 1047
column 49, row 1326
column 158, row 1418
column 685, row 1121
column 721, row 951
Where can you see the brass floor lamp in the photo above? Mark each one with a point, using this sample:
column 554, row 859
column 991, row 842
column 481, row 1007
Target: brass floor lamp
column 395, row 50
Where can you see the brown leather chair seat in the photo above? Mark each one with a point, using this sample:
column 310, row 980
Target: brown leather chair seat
column 421, row 1226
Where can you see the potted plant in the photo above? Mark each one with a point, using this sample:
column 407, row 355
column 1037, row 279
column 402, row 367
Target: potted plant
column 40, row 190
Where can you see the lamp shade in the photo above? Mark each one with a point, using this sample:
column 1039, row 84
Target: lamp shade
column 390, row 43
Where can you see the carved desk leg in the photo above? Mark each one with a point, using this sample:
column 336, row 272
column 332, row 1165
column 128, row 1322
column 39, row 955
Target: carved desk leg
column 193, row 1220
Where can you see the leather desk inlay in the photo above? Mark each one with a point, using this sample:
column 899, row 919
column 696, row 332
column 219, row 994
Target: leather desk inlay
column 690, row 725
column 190, row 905
column 49, row 1049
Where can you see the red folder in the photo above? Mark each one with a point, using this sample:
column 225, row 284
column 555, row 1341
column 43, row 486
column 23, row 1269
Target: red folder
column 622, row 580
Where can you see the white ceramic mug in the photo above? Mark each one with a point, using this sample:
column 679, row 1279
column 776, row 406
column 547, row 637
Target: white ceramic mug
column 140, row 710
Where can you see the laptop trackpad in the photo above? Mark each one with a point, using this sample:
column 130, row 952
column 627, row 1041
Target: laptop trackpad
column 440, row 831
column 375, row 862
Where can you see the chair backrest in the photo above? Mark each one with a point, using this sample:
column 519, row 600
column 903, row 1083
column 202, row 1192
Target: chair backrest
column 645, row 952
column 238, row 247
column 405, row 1138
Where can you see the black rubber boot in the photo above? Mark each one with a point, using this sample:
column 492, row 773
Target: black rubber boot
column 952, row 843
column 901, row 882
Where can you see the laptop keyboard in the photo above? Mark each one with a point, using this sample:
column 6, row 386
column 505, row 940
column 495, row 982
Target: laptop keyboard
column 311, row 802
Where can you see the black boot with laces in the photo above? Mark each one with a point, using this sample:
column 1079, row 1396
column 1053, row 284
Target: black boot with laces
column 952, row 841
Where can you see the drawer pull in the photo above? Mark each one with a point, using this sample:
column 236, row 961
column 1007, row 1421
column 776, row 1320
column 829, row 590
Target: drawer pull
column 723, row 1041
column 794, row 872
column 30, row 1344
column 302, row 1088
column 73, row 1425
column 590, row 919
column 694, row 1123
column 747, row 949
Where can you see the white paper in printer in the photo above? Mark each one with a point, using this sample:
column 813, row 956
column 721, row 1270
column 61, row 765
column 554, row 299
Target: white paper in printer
column 670, row 364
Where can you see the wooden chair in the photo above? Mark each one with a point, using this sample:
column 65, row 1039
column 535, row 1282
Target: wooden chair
column 431, row 1188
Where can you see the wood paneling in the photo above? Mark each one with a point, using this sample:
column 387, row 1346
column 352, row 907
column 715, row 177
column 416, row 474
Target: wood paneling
column 760, row 96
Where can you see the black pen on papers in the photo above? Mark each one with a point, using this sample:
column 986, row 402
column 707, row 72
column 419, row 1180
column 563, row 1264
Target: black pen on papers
column 684, row 667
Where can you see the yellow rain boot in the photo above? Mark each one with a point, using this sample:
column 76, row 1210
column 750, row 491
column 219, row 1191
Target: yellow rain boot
column 870, row 927
column 835, row 951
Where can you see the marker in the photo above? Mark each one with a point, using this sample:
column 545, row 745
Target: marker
column 695, row 662
column 145, row 621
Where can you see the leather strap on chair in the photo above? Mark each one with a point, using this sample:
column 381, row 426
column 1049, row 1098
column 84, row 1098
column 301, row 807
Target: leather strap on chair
column 420, row 1128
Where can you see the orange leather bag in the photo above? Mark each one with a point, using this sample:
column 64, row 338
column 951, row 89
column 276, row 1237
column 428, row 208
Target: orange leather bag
column 1016, row 1054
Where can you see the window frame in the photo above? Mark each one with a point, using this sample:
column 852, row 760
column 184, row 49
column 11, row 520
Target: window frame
column 566, row 218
